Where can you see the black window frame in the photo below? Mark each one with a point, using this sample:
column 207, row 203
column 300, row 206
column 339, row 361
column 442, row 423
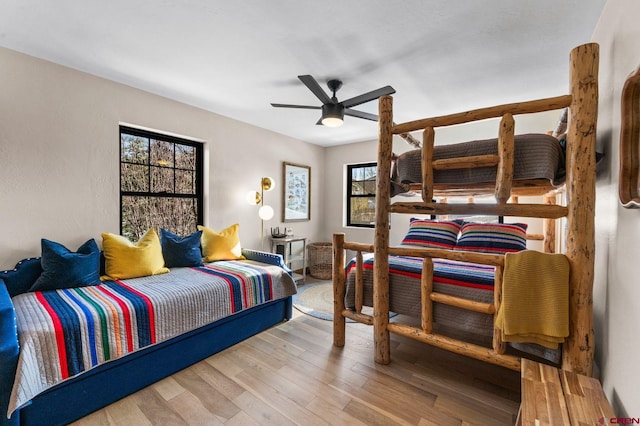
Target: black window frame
column 199, row 170
column 350, row 195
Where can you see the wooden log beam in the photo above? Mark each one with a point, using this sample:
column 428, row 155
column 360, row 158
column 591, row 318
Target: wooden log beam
column 577, row 354
column 359, row 282
column 506, row 152
column 535, row 237
column 365, row 248
column 426, row 288
column 410, row 140
column 359, row 317
column 522, row 210
column 470, row 162
column 460, row 256
column 382, row 347
column 549, row 227
column 527, row 107
column 457, row 346
column 462, row 303
column 427, row 164
column 339, row 289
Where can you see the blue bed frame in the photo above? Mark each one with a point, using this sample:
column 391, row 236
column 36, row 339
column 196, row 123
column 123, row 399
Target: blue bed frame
column 103, row 385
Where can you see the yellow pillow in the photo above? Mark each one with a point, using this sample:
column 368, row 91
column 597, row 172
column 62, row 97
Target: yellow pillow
column 223, row 245
column 124, row 259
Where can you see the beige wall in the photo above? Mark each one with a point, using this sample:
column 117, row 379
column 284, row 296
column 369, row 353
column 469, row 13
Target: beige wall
column 617, row 289
column 59, row 154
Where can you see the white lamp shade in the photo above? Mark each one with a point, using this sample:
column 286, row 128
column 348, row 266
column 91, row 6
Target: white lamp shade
column 332, row 121
column 265, row 212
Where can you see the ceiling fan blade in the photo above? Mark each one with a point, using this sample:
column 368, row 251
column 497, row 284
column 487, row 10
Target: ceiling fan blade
column 313, row 85
column 369, row 96
column 360, row 114
column 295, row 106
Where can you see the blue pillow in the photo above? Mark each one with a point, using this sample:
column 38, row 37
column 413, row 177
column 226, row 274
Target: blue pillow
column 20, row 279
column 178, row 251
column 62, row 268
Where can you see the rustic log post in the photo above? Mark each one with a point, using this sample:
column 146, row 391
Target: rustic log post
column 381, row 239
column 581, row 176
column 506, row 151
column 428, row 138
column 549, row 227
column 426, row 289
column 359, row 282
column 339, row 278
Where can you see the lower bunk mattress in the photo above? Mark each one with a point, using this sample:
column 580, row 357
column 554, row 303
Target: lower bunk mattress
column 63, row 333
column 466, row 280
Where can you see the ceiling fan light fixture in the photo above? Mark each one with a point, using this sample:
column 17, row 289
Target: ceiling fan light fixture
column 332, row 115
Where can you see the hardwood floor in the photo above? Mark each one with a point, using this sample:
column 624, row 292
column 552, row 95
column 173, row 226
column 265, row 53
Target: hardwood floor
column 292, row 374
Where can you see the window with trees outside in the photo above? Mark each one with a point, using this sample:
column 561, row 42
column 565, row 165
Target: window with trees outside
column 161, row 183
column 361, row 194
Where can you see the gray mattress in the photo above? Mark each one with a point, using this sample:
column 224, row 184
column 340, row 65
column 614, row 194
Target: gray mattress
column 537, row 156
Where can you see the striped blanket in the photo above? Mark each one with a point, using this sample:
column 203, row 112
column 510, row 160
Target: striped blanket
column 63, row 333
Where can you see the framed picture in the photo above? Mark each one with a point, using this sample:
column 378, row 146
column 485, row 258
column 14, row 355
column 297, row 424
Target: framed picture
column 629, row 182
column 296, row 192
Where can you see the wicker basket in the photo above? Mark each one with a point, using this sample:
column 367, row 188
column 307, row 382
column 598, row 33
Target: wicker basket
column 320, row 258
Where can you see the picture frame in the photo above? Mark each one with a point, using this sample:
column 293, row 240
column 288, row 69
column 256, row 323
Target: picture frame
column 296, row 192
column 629, row 182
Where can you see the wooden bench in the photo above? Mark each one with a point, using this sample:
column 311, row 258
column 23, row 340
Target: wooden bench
column 557, row 397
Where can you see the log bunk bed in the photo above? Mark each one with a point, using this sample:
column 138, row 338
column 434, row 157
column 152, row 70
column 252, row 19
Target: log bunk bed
column 578, row 209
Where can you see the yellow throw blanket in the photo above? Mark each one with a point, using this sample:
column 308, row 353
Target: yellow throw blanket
column 535, row 298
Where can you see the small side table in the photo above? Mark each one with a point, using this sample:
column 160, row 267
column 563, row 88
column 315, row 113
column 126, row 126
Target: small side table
column 285, row 247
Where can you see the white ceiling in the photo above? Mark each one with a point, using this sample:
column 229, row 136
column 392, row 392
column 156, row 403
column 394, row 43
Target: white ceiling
column 236, row 57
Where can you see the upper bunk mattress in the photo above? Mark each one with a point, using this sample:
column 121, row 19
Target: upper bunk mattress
column 63, row 333
column 537, row 156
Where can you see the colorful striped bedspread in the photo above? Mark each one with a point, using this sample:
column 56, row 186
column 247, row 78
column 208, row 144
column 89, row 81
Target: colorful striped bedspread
column 63, row 333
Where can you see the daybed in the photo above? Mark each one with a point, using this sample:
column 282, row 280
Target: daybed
column 191, row 313
column 578, row 192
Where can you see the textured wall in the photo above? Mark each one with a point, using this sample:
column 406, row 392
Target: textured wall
column 59, row 157
column 617, row 294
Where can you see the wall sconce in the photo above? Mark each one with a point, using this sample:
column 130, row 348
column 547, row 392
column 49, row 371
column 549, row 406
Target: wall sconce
column 265, row 212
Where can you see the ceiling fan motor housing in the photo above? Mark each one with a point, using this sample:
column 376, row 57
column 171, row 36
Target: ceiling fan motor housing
column 333, row 110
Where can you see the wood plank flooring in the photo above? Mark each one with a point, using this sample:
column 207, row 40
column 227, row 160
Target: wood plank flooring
column 293, row 375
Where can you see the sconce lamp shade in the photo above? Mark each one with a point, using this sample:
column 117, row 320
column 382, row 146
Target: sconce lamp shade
column 254, row 197
column 267, row 183
column 265, row 212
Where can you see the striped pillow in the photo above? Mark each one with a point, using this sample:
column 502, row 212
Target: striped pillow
column 432, row 233
column 496, row 238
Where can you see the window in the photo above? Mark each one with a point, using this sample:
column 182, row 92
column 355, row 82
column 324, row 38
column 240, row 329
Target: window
column 161, row 183
column 361, row 194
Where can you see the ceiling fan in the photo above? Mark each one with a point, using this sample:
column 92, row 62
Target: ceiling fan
column 333, row 111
